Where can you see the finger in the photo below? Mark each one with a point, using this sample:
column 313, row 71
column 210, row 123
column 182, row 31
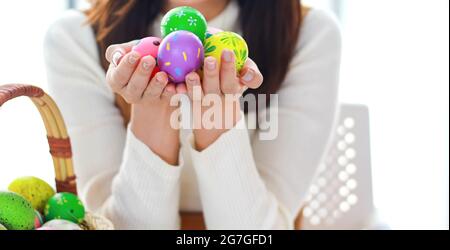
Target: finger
column 119, row 76
column 181, row 88
column 112, row 79
column 229, row 83
column 115, row 52
column 169, row 91
column 211, row 76
column 140, row 79
column 251, row 76
column 157, row 85
column 194, row 87
column 213, row 30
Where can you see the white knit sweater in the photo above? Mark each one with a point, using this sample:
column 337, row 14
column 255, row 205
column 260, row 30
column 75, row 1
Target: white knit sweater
column 239, row 182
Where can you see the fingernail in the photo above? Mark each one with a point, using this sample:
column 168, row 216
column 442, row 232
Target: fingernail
column 248, row 77
column 228, row 56
column 159, row 78
column 116, row 57
column 146, row 66
column 192, row 79
column 133, row 59
column 211, row 64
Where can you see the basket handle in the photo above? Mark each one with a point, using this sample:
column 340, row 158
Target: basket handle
column 11, row 91
column 58, row 139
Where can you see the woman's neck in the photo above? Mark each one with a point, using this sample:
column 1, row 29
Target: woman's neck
column 210, row 9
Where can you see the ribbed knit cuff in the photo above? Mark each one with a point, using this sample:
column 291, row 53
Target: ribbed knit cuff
column 151, row 161
column 146, row 185
column 233, row 194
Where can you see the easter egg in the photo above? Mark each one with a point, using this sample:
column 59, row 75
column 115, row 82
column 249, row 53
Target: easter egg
column 16, row 213
column 149, row 47
column 184, row 18
column 64, row 206
column 60, row 225
column 34, row 190
column 216, row 43
column 2, row 228
column 38, row 220
column 180, row 53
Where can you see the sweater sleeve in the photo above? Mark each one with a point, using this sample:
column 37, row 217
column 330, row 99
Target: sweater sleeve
column 262, row 184
column 117, row 174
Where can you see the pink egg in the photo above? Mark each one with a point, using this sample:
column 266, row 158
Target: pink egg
column 149, row 47
column 38, row 220
column 37, row 223
column 180, row 53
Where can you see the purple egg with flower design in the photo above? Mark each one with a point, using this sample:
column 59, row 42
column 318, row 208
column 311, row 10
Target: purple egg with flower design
column 180, row 53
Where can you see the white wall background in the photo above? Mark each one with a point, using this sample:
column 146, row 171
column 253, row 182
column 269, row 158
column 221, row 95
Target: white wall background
column 23, row 145
column 395, row 61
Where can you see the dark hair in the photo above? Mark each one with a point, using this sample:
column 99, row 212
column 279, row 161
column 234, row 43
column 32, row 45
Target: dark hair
column 270, row 27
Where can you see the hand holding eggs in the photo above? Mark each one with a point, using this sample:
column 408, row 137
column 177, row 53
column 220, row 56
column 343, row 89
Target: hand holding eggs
column 187, row 41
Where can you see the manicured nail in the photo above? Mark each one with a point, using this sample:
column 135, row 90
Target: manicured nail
column 116, row 58
column 159, row 78
column 146, row 66
column 228, row 56
column 192, row 79
column 248, row 77
column 211, row 64
column 133, row 59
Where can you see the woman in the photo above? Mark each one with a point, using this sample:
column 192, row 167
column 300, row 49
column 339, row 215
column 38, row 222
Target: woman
column 146, row 174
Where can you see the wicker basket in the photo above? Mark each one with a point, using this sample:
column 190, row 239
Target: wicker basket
column 59, row 142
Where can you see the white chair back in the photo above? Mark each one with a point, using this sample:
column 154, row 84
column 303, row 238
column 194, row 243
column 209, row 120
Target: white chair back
column 341, row 195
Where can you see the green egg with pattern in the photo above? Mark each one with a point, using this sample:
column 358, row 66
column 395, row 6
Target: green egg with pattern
column 16, row 212
column 216, row 43
column 184, row 18
column 35, row 190
column 64, row 206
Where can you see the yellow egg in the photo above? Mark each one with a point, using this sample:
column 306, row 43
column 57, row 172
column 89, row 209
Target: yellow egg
column 215, row 44
column 35, row 190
